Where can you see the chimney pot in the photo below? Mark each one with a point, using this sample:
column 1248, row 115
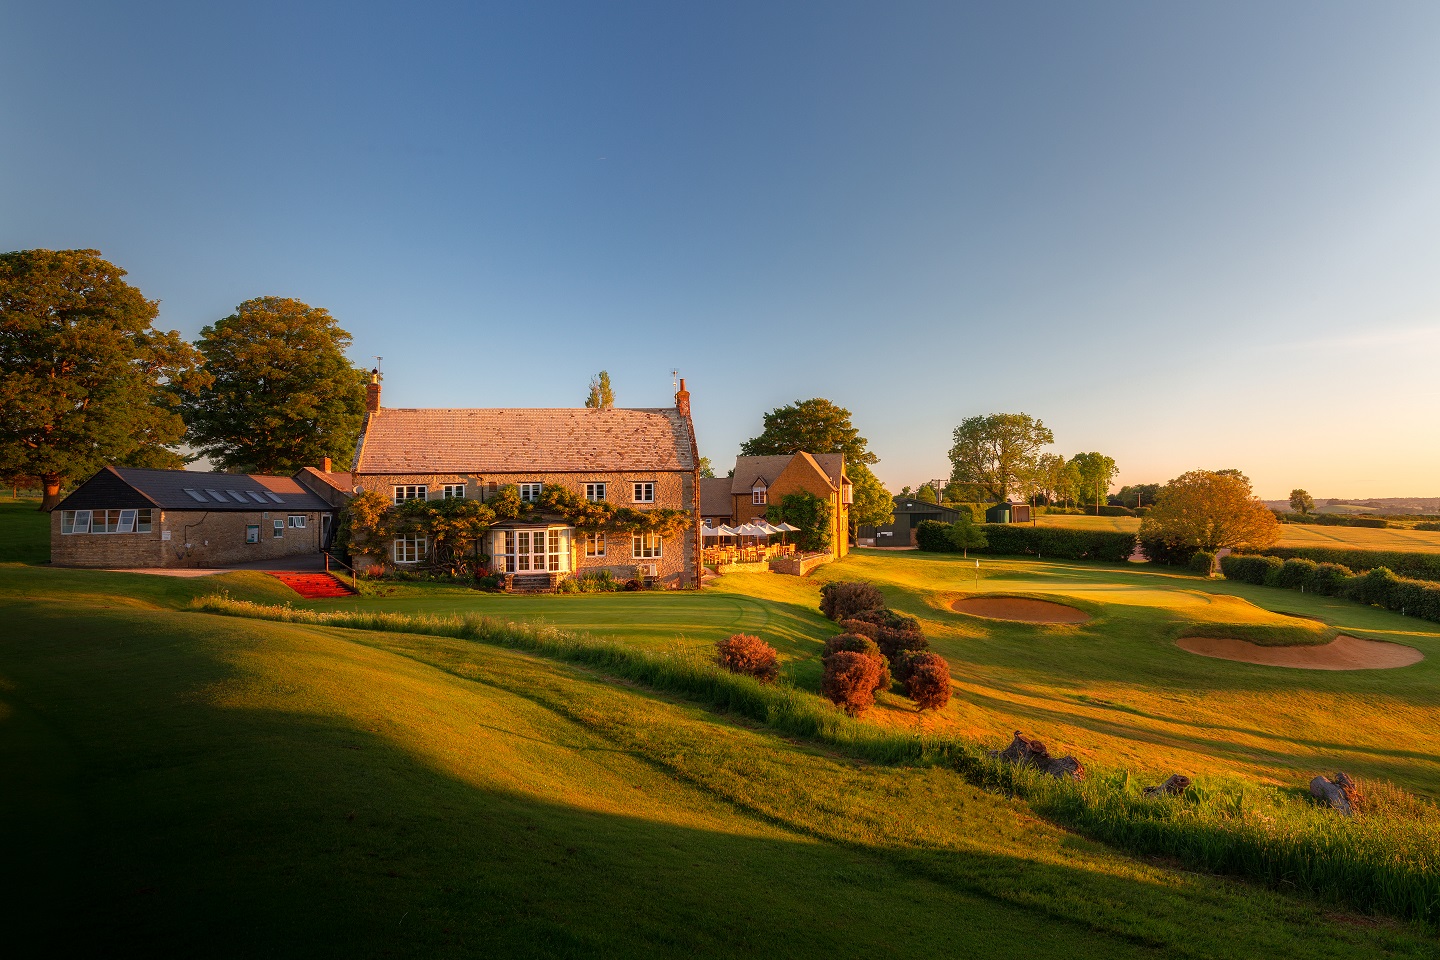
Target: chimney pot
column 325, row 465
column 372, row 395
column 682, row 399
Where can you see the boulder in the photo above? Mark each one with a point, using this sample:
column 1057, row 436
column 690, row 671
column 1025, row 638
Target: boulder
column 1341, row 793
column 1029, row 752
column 1173, row 787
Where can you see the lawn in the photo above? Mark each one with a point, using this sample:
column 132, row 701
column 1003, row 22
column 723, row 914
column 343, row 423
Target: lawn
column 181, row 783
column 24, row 532
column 1291, row 534
column 1116, row 691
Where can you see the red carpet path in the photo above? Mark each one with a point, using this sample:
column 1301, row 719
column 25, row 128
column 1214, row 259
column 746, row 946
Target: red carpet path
column 314, row 586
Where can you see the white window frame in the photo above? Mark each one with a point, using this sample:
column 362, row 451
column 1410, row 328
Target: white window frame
column 252, row 533
column 410, row 491
column 78, row 521
column 278, row 528
column 847, row 493
column 144, row 520
column 646, row 546
column 410, row 548
column 595, row 492
column 759, row 494
column 452, row 491
column 296, row 521
column 530, row 492
column 595, row 544
column 644, row 491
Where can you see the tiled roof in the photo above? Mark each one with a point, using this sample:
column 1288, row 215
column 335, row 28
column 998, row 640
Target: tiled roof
column 749, row 469
column 561, row 440
column 340, row 481
column 167, row 489
column 715, row 498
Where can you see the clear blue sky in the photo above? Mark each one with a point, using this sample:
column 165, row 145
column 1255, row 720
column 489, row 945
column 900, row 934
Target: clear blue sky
column 1187, row 236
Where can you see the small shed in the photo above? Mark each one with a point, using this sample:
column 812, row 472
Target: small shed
column 1008, row 513
column 909, row 513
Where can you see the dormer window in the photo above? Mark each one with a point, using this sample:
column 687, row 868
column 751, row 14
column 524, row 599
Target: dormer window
column 757, row 493
column 847, row 492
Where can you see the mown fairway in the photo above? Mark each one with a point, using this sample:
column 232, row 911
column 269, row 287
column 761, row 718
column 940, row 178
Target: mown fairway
column 189, row 784
column 1291, row 534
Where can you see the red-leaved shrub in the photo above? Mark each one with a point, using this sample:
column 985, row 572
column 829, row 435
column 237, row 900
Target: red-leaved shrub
column 894, row 642
column 850, row 680
column 855, row 643
column 928, row 683
column 845, row 598
column 885, row 617
column 749, row 655
column 862, row 627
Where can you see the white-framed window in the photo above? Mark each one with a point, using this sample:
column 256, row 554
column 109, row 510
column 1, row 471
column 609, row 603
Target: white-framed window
column 759, row 493
column 74, row 521
column 297, row 521
column 532, row 551
column 847, row 493
column 594, row 492
column 645, row 491
column 552, row 551
column 530, row 492
column 452, row 491
column 645, row 546
column 411, row 491
column 594, row 544
column 279, row 528
column 410, row 548
column 252, row 533
column 143, row 521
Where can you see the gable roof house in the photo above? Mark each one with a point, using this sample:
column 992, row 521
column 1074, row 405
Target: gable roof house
column 127, row 517
column 644, row 459
column 758, row 482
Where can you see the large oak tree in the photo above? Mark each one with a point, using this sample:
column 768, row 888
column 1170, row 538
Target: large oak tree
column 283, row 395
column 819, row 426
column 996, row 454
column 1207, row 510
column 85, row 379
column 1095, row 474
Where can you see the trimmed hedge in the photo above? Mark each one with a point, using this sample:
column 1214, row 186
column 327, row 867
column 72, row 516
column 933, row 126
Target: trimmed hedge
column 1019, row 540
column 1202, row 562
column 1378, row 586
column 1162, row 551
column 1331, row 519
column 1410, row 564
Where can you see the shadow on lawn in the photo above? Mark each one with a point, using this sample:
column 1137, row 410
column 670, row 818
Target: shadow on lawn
column 225, row 831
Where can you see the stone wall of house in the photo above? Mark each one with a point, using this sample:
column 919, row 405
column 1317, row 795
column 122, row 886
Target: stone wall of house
column 674, row 490
column 785, row 484
column 198, row 538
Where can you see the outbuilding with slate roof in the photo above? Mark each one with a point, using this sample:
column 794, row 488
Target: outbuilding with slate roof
column 127, row 517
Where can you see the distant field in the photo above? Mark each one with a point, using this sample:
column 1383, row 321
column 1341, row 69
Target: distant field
column 1291, row 534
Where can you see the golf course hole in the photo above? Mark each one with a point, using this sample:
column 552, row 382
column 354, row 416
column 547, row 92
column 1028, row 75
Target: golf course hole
column 1342, row 653
column 1019, row 609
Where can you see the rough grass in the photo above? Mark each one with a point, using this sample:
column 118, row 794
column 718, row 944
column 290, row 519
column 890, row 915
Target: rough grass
column 24, row 532
column 204, row 785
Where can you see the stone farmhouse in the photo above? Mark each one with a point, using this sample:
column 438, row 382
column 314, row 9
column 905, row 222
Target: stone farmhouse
column 760, row 481
column 645, row 459
column 124, row 517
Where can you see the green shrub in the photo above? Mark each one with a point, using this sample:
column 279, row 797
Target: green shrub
column 1429, row 525
column 855, row 643
column 1202, row 562
column 1111, row 510
column 885, row 617
column 748, row 655
column 1372, row 588
column 850, row 680
column 1249, row 568
column 1058, row 543
column 1332, row 520
column 934, row 536
column 928, row 681
column 1163, row 551
column 1298, row 574
column 843, row 599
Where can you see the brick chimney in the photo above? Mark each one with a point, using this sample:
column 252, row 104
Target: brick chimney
column 682, row 399
column 325, row 465
column 372, row 392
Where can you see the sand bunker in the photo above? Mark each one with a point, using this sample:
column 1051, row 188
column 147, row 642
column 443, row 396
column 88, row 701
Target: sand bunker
column 1342, row 653
column 1019, row 609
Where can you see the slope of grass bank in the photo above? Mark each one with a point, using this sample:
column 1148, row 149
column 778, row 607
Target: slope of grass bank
column 223, row 787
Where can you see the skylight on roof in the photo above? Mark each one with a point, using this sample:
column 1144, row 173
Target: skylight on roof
column 195, row 494
column 216, row 494
column 273, row 497
column 236, row 495
column 256, row 497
